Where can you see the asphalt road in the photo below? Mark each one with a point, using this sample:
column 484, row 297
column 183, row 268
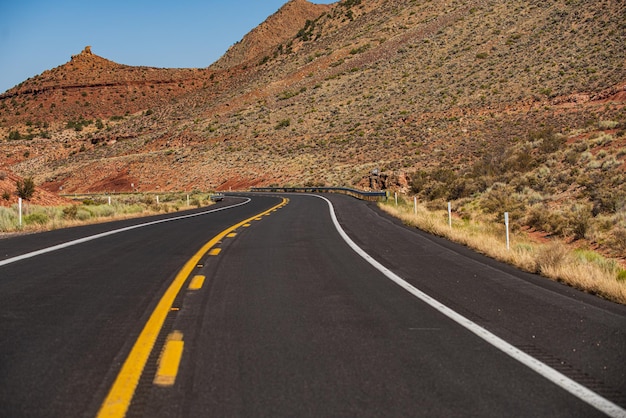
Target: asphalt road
column 69, row 317
column 291, row 321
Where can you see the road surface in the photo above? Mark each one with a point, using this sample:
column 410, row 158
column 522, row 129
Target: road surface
column 290, row 320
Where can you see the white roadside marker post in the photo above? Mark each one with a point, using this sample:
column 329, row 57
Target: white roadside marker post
column 415, row 205
column 19, row 204
column 450, row 214
column 506, row 223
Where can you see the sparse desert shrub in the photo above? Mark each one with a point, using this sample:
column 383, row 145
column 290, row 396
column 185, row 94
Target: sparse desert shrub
column 418, row 181
column 572, row 157
column 521, row 161
column 502, row 198
column 147, row 200
column 102, row 211
column 463, row 187
column 25, row 188
column 579, row 218
column 70, row 212
column 538, row 217
column 15, row 135
column 550, row 256
column 360, row 49
column 283, row 124
column 548, row 140
column 617, row 239
column 83, row 214
column 607, row 124
column 610, row 164
column 571, row 222
column 36, row 218
column 606, row 199
column 586, row 157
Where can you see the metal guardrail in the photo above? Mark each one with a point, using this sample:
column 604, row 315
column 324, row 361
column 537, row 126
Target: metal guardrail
column 359, row 194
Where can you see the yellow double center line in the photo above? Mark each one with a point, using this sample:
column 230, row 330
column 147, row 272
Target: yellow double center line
column 121, row 394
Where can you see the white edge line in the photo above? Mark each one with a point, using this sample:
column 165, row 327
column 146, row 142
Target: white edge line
column 600, row 403
column 115, row 231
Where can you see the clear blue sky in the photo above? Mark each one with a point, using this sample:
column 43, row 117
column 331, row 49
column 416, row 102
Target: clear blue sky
column 38, row 35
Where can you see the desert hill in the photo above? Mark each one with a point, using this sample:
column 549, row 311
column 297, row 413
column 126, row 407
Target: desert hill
column 326, row 94
column 89, row 86
column 277, row 29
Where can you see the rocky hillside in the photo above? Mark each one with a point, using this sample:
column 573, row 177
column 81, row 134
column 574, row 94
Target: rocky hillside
column 89, row 86
column 325, row 94
column 41, row 197
column 277, row 29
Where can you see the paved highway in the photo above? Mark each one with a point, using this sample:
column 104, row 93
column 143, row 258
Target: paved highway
column 286, row 318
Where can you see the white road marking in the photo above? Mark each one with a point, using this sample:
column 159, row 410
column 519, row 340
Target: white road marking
column 600, row 403
column 108, row 233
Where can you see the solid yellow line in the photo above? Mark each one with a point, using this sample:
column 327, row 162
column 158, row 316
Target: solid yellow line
column 121, row 393
column 197, row 282
column 170, row 360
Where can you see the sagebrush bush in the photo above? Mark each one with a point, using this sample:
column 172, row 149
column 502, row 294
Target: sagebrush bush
column 38, row 218
column 617, row 239
column 550, row 256
column 580, row 216
column 70, row 212
column 82, row 214
column 502, row 198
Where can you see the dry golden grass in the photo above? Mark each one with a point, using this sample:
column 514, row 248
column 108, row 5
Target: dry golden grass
column 40, row 218
column 595, row 275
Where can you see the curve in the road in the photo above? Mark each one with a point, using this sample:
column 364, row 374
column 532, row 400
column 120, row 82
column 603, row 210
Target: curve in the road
column 571, row 386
